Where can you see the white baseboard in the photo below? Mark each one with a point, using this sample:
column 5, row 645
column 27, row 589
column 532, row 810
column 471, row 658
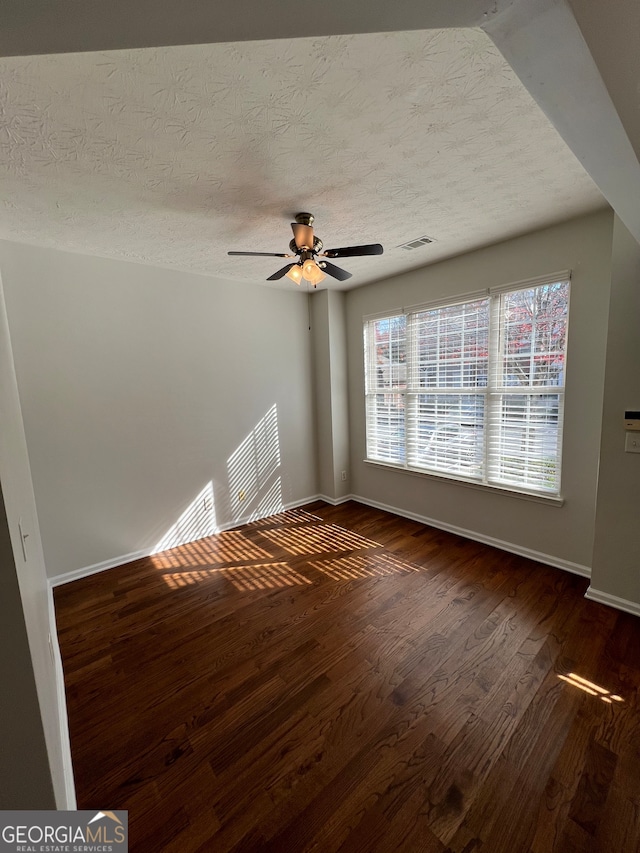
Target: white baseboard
column 613, row 601
column 63, row 720
column 247, row 519
column 511, row 547
column 334, row 501
column 76, row 574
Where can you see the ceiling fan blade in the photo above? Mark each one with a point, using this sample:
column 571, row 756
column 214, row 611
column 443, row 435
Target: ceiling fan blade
column 281, row 273
column 263, row 254
column 303, row 235
column 336, row 272
column 354, row 251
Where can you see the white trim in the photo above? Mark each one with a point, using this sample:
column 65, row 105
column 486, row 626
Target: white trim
column 63, row 719
column 511, row 547
column 86, row 571
column 613, row 601
column 536, row 281
column 382, row 315
column 446, row 301
column 333, row 501
column 76, row 574
column 441, row 476
column 247, row 519
column 471, row 296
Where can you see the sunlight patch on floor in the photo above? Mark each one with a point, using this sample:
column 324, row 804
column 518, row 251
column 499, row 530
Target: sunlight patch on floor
column 229, row 546
column 591, row 688
column 261, row 576
column 202, row 560
column 316, row 539
column 362, row 566
column 289, row 516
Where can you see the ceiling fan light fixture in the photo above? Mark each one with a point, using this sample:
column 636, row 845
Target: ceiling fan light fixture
column 311, row 272
column 295, row 273
column 307, row 269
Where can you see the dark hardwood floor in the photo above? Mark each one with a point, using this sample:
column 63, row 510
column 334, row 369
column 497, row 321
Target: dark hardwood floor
column 340, row 679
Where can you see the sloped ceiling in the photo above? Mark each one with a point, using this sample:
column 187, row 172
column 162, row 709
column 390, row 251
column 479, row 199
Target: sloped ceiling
column 171, row 156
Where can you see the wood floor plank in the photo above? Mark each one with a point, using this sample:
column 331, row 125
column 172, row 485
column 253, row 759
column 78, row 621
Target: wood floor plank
column 341, row 679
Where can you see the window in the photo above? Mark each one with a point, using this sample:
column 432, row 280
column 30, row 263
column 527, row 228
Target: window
column 472, row 389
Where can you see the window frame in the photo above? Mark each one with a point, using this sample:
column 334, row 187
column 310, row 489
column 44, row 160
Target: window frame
column 493, row 394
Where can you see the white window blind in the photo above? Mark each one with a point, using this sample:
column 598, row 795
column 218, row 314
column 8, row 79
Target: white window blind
column 473, row 389
column 386, row 382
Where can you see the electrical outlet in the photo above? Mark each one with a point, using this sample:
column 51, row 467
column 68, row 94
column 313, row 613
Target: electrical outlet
column 632, row 442
column 344, row 476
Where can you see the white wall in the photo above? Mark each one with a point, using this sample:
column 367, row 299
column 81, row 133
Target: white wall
column 565, row 533
column 616, row 561
column 339, row 392
column 331, row 392
column 28, row 722
column 139, row 386
column 611, row 33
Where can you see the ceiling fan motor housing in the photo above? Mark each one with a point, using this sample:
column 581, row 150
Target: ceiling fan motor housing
column 317, row 246
column 306, row 247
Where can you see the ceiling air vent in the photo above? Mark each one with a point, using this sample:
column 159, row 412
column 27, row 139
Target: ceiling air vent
column 415, row 244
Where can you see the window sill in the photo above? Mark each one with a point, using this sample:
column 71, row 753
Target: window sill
column 550, row 500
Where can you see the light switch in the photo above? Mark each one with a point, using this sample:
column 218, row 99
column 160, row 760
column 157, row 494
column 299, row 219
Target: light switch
column 632, row 442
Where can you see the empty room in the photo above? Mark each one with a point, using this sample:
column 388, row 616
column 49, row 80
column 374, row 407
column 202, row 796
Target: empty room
column 320, row 424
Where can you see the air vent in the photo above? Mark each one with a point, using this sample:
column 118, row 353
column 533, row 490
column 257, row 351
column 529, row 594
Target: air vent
column 415, row 244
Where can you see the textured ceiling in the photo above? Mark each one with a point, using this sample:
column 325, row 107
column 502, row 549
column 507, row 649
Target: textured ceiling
column 171, row 156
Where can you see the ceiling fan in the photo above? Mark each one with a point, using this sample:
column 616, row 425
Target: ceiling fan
column 307, row 248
